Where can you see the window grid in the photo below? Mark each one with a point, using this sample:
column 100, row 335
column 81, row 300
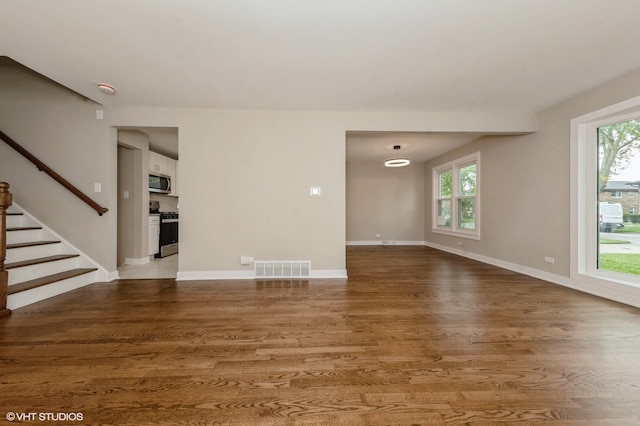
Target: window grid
column 456, row 197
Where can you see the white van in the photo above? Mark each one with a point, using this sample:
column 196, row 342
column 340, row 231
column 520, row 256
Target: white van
column 610, row 216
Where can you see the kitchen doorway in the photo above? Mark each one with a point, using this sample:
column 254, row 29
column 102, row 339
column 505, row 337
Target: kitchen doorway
column 138, row 147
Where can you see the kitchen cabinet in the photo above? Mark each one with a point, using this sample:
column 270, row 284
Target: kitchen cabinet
column 158, row 163
column 154, row 234
column 174, row 179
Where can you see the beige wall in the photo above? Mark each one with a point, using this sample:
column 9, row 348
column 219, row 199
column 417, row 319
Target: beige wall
column 385, row 201
column 133, row 212
column 245, row 179
column 525, row 199
column 61, row 129
column 126, row 206
column 244, row 175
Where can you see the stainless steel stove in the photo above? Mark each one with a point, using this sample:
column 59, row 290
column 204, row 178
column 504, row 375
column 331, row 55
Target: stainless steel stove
column 168, row 234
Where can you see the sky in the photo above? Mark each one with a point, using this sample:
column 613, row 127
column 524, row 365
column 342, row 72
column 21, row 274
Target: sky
column 631, row 172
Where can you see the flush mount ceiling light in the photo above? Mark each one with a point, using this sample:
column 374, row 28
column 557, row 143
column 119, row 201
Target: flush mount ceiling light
column 397, row 161
column 106, row 88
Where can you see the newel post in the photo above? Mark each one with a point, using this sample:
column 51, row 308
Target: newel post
column 5, row 202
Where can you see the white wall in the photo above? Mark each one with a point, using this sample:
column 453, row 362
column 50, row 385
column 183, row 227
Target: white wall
column 61, row 129
column 385, row 201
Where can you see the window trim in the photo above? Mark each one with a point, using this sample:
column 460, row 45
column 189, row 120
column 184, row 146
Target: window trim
column 584, row 169
column 455, row 167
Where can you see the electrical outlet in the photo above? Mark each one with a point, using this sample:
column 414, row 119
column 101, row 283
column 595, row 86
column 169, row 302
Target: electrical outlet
column 549, row 259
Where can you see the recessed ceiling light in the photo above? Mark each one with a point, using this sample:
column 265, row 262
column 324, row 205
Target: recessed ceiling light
column 107, row 88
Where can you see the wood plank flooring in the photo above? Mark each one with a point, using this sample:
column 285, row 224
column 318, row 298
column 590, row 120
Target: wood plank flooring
column 414, row 336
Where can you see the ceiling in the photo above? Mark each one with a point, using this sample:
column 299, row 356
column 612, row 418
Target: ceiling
column 330, row 55
column 163, row 140
column 418, row 146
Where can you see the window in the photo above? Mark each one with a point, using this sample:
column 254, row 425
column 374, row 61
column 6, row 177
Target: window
column 456, row 196
column 605, row 147
column 619, row 158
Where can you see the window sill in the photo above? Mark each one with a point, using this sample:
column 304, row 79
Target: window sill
column 475, row 235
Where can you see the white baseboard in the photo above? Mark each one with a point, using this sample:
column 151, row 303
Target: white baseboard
column 250, row 275
column 113, row 275
column 385, row 243
column 214, row 275
column 329, row 273
column 621, row 293
column 136, row 260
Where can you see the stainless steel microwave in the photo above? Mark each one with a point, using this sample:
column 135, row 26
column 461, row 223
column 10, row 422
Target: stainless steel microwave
column 159, row 183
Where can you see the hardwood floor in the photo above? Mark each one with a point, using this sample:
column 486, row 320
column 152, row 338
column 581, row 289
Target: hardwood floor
column 414, row 336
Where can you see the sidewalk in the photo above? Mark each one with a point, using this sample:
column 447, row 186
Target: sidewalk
column 620, row 248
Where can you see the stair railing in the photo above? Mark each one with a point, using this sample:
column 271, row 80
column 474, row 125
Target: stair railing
column 5, row 202
column 44, row 168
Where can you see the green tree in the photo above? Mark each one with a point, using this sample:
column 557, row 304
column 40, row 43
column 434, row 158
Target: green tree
column 616, row 143
column 468, row 180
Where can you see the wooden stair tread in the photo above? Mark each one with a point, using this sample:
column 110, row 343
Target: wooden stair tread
column 31, row 244
column 24, row 228
column 39, row 282
column 37, row 261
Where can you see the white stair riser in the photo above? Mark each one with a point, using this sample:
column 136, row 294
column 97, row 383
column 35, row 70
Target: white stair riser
column 14, row 221
column 25, row 236
column 18, row 300
column 27, row 273
column 33, row 252
column 20, row 275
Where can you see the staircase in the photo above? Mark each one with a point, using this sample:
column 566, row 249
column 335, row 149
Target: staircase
column 39, row 263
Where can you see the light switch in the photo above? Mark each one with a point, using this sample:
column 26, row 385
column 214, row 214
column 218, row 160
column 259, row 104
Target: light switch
column 125, row 194
column 97, row 187
column 315, row 191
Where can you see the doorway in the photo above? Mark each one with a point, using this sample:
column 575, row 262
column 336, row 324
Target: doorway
column 136, row 147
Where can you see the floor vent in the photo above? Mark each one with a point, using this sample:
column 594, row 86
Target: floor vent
column 282, row 268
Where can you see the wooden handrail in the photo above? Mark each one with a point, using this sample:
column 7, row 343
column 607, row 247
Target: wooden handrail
column 44, row 168
column 5, row 202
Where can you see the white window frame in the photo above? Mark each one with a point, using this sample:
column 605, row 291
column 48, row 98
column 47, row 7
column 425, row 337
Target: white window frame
column 454, row 167
column 584, row 195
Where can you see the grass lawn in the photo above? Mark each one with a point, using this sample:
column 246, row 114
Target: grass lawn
column 626, row 263
column 610, row 241
column 633, row 228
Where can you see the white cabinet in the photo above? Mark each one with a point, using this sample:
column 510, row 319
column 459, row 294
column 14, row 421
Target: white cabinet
column 174, row 179
column 154, row 234
column 159, row 163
